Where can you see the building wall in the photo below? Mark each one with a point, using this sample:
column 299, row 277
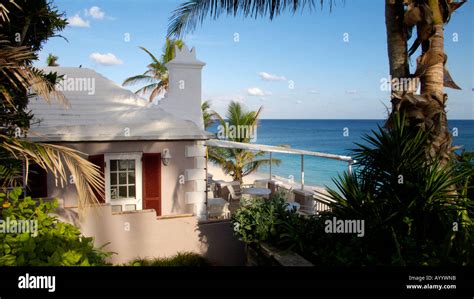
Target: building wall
column 140, row 234
column 172, row 192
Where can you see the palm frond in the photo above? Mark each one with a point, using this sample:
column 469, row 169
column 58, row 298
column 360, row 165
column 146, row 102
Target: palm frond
column 62, row 162
column 153, row 58
column 186, row 17
column 138, row 79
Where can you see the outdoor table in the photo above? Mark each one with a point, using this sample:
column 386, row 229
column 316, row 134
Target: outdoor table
column 256, row 191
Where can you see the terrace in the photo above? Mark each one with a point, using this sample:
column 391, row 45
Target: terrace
column 225, row 197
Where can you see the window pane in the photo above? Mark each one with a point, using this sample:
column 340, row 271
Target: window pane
column 131, row 164
column 122, row 178
column 131, row 192
column 123, row 164
column 131, row 178
column 113, row 165
column 122, row 192
column 113, row 192
column 113, row 178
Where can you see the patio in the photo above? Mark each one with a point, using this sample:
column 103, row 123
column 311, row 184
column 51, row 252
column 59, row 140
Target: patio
column 225, row 197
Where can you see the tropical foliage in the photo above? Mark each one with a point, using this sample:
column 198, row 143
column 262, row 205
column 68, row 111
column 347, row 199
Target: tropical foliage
column 208, row 116
column 156, row 76
column 52, row 60
column 275, row 222
column 49, row 243
column 238, row 162
column 19, row 81
column 189, row 14
column 418, row 207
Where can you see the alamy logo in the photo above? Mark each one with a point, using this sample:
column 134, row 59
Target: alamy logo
column 226, row 131
column 84, row 84
column 37, row 282
column 336, row 226
column 12, row 226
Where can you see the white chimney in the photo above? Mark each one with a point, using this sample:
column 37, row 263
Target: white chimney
column 183, row 98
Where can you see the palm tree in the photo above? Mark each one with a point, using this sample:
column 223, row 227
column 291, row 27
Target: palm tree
column 156, row 75
column 17, row 77
column 208, row 115
column 51, row 60
column 426, row 110
column 237, row 162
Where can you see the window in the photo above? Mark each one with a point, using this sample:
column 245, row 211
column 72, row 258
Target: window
column 123, row 177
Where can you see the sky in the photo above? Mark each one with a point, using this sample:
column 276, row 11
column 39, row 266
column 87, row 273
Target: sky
column 315, row 65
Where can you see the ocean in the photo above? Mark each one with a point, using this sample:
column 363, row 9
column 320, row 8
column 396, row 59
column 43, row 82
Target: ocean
column 329, row 136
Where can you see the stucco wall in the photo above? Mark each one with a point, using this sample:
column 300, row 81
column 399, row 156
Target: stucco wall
column 172, row 193
column 140, row 235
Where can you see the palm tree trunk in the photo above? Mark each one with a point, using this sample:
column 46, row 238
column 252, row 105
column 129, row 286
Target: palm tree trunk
column 397, row 47
column 432, row 90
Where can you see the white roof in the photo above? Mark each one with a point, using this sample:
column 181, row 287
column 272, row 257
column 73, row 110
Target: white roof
column 101, row 110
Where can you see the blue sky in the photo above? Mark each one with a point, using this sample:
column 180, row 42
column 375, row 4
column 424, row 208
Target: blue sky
column 331, row 78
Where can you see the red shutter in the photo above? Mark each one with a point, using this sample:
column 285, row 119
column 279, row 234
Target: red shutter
column 99, row 161
column 151, row 165
column 37, row 182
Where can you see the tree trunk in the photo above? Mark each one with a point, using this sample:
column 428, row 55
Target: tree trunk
column 426, row 110
column 397, row 47
column 432, row 89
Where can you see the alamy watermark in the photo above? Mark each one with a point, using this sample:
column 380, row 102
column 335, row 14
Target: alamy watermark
column 12, row 226
column 78, row 84
column 399, row 84
column 338, row 226
column 226, row 131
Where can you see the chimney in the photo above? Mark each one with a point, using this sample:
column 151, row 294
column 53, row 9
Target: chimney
column 183, row 98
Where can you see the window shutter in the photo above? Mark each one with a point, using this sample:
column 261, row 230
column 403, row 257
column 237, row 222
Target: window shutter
column 151, row 165
column 37, row 182
column 99, row 161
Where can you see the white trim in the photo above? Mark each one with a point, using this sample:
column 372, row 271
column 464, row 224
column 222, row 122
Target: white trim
column 137, row 156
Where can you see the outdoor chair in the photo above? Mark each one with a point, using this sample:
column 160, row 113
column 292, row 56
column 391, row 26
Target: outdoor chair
column 235, row 191
column 218, row 208
column 306, row 201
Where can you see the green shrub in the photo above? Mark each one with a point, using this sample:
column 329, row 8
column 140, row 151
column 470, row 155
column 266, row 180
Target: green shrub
column 54, row 243
column 274, row 222
column 182, row 259
column 416, row 210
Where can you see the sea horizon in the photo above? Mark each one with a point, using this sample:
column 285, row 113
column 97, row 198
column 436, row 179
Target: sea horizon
column 332, row 136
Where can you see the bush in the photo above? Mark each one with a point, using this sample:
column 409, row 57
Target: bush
column 416, row 210
column 54, row 243
column 274, row 222
column 182, row 259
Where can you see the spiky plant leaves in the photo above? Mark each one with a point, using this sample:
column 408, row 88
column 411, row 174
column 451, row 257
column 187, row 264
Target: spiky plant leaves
column 405, row 199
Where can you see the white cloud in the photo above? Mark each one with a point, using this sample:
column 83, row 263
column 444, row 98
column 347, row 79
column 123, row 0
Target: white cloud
column 299, row 102
column 95, row 12
column 351, row 91
column 105, row 59
column 270, row 77
column 257, row 92
column 77, row 21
